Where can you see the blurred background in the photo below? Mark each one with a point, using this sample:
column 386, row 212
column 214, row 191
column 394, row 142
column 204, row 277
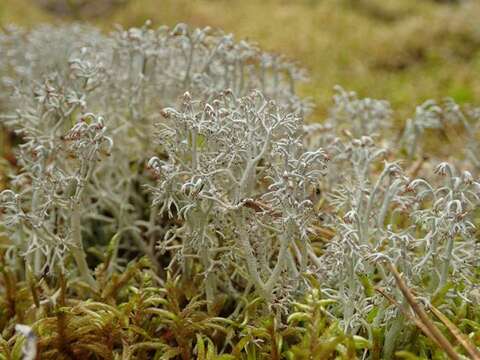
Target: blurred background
column 404, row 51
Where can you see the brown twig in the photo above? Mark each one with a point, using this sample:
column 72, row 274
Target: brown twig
column 469, row 347
column 413, row 170
column 408, row 315
column 432, row 329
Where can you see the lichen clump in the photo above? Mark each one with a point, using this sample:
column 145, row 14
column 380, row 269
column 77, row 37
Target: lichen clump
column 168, row 200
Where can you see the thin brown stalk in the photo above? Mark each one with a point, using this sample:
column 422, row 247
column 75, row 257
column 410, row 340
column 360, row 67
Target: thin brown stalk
column 413, row 170
column 463, row 340
column 434, row 331
column 408, row 315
